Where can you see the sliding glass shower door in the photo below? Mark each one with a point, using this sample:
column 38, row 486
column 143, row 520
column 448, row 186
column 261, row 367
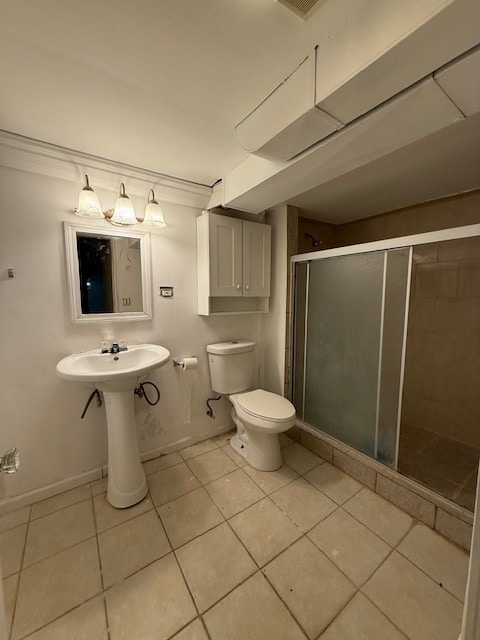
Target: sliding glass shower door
column 349, row 339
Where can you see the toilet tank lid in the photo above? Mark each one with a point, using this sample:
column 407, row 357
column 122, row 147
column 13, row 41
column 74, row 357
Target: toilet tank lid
column 232, row 346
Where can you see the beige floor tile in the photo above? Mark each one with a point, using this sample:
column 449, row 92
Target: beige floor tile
column 189, row 516
column 10, row 585
column 418, row 606
column 50, row 588
column 194, row 631
column 385, row 519
column 253, row 610
column 12, row 543
column 270, row 481
column 446, row 563
column 99, row 486
column 233, row 455
column 198, row 449
column 303, row 577
column 162, row 462
column 14, row 518
column 171, row 483
column 152, row 604
column 284, row 440
column 60, row 501
column 264, row 530
column 211, row 465
column 214, row 564
column 107, row 516
column 84, row 623
column 131, row 546
column 360, row 620
column 234, row 492
column 303, row 503
column 350, row 545
column 224, row 438
column 59, row 530
column 299, row 458
column 333, row 482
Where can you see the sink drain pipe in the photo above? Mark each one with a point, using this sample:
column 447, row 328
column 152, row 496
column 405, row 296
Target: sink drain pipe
column 140, row 391
column 94, row 393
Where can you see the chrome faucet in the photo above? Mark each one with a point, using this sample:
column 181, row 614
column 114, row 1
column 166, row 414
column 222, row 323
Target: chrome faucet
column 115, row 347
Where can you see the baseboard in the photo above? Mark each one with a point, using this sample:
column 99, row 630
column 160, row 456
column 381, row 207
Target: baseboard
column 25, row 499
column 17, row 502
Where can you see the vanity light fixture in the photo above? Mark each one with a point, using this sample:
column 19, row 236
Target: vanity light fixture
column 123, row 212
column 88, row 203
column 153, row 213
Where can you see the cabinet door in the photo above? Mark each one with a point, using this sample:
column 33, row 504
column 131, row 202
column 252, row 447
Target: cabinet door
column 256, row 259
column 225, row 256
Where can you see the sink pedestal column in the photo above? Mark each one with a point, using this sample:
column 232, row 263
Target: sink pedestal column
column 126, row 479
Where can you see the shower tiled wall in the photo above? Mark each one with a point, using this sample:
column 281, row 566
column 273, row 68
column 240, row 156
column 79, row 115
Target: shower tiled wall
column 442, row 368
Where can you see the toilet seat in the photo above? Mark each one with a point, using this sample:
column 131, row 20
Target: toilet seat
column 265, row 406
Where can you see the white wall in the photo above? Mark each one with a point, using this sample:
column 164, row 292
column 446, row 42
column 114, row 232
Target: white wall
column 40, row 413
column 274, row 324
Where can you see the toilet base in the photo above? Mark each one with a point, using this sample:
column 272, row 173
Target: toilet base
column 261, row 451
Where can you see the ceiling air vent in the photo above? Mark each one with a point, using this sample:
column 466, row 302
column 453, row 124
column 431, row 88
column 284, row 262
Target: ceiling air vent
column 302, row 8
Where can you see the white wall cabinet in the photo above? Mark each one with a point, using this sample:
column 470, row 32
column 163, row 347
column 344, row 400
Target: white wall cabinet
column 233, row 265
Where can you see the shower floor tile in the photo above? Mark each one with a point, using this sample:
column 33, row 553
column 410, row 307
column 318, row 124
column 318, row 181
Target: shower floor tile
column 301, row 553
column 442, row 464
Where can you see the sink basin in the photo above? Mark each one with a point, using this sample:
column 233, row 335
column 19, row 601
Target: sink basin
column 94, row 366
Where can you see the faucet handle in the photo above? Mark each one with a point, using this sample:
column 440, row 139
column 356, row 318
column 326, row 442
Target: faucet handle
column 122, row 344
column 105, row 346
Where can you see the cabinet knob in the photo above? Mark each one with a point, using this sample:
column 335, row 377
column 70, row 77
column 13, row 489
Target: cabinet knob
column 247, row 287
column 238, row 286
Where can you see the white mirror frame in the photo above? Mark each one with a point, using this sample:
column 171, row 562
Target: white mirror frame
column 71, row 229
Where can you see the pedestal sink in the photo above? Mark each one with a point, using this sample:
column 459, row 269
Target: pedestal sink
column 117, row 375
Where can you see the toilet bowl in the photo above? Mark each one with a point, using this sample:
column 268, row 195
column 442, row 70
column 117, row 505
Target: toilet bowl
column 258, row 415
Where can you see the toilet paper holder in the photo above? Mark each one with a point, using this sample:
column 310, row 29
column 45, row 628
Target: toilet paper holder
column 185, row 363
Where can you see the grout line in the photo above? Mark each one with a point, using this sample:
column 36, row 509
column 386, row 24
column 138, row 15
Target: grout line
column 17, row 588
column 77, row 606
column 382, row 612
column 283, row 601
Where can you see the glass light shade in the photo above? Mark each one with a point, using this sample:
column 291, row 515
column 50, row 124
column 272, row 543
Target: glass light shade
column 123, row 212
column 154, row 214
column 88, row 203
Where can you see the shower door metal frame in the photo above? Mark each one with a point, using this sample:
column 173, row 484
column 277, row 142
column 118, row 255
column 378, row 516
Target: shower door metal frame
column 407, row 242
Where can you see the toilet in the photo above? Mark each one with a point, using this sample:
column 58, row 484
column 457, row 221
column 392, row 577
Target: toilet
column 258, row 415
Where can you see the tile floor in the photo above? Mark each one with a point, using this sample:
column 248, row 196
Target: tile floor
column 220, row 551
column 448, row 467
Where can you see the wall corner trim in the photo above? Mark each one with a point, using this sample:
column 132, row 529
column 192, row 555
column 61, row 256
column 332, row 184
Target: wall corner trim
column 34, row 156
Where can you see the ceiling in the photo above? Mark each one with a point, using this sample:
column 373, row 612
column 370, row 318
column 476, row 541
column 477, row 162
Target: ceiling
column 439, row 165
column 157, row 84
column 161, row 84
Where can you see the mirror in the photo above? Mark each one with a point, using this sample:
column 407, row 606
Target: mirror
column 108, row 272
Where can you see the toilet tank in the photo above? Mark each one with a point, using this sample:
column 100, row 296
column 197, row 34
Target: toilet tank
column 231, row 365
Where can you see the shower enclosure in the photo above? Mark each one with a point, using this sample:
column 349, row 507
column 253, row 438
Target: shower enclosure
column 386, row 353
